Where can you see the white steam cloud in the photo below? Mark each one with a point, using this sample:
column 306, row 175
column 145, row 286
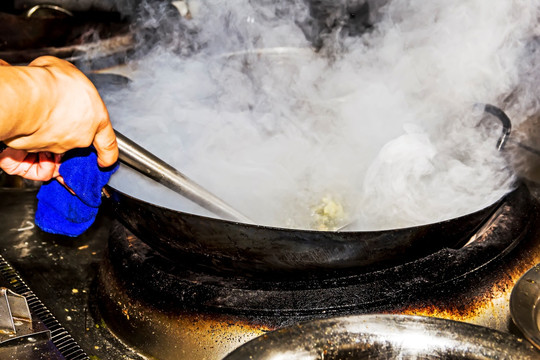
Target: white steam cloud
column 381, row 123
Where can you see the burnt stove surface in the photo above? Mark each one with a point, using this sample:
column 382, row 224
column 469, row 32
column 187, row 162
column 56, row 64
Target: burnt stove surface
column 59, row 272
column 112, row 293
column 149, row 276
column 141, row 292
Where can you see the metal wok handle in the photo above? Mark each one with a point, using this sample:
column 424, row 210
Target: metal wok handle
column 507, row 127
column 158, row 170
column 505, row 120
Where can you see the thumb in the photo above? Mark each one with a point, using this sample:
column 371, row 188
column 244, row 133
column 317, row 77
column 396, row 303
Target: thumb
column 106, row 147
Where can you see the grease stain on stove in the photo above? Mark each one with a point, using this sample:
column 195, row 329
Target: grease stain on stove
column 489, row 304
column 173, row 335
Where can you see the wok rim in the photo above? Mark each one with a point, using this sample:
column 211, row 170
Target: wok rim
column 493, row 206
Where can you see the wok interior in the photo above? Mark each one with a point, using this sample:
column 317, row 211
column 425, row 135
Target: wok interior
column 324, row 214
column 377, row 128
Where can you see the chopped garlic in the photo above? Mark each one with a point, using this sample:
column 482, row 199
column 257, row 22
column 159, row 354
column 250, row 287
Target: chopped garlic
column 328, row 215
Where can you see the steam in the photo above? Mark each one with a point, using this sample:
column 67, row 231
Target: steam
column 383, row 123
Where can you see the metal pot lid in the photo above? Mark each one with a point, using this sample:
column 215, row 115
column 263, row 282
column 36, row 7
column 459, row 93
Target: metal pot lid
column 524, row 304
column 385, row 337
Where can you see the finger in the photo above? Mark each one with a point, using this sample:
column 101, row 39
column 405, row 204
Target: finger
column 19, row 164
column 43, row 168
column 58, row 162
column 12, row 156
column 106, row 146
column 48, row 161
column 40, row 167
column 32, row 167
column 60, row 179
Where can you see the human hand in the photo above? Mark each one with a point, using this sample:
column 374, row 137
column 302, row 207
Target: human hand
column 40, row 166
column 54, row 108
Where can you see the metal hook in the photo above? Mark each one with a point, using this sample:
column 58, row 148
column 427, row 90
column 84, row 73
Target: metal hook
column 505, row 120
column 35, row 8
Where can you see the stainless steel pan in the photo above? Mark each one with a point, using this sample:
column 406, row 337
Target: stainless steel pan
column 385, row 337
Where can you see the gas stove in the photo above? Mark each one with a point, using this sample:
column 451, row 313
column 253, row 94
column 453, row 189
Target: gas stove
column 108, row 295
column 56, row 276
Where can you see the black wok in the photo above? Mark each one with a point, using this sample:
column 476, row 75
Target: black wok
column 222, row 246
column 243, row 249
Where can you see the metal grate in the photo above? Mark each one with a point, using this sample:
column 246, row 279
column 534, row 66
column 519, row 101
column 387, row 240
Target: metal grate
column 63, row 341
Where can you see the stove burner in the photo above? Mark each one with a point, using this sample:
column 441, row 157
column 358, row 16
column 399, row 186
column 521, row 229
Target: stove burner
column 142, row 292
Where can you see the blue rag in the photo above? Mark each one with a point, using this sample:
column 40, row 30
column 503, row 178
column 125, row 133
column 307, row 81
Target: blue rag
column 61, row 212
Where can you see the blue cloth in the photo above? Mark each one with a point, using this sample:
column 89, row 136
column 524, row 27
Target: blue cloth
column 61, row 212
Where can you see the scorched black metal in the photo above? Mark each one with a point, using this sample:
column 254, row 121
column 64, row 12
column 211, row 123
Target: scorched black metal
column 154, row 294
